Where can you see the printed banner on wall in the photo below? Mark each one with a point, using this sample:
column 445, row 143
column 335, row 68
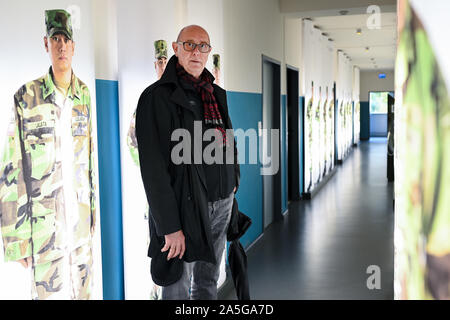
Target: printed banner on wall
column 318, row 84
column 356, row 106
column 344, row 92
column 50, row 229
column 422, row 154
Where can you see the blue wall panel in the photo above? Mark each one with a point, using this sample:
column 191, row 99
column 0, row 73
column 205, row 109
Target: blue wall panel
column 110, row 188
column 245, row 112
column 365, row 120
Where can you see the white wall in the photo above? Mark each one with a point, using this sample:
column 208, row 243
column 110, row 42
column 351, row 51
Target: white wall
column 293, row 54
column 23, row 58
column 105, row 35
column 370, row 82
column 252, row 28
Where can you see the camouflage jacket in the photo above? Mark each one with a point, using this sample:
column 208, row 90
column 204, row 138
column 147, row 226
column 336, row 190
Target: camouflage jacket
column 32, row 210
column 131, row 140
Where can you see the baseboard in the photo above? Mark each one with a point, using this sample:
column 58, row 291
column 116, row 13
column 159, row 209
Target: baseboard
column 310, row 195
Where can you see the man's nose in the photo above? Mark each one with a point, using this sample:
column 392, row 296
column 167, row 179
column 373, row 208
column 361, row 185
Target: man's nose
column 62, row 45
column 196, row 50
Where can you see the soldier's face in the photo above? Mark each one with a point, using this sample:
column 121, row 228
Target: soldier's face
column 60, row 50
column 192, row 61
column 160, row 66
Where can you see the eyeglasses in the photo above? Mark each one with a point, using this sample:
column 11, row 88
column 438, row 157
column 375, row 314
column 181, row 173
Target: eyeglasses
column 190, row 46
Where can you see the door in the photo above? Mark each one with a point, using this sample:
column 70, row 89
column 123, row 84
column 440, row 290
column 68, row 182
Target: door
column 271, row 124
column 293, row 129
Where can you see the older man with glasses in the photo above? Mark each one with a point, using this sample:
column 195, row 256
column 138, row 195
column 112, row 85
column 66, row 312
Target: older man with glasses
column 190, row 202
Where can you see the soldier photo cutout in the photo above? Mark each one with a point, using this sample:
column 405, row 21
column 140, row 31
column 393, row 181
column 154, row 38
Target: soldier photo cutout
column 160, row 66
column 47, row 189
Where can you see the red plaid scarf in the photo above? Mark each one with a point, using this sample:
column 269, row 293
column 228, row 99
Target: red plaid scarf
column 204, row 87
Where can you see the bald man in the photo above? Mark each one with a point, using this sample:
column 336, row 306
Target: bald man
column 190, row 196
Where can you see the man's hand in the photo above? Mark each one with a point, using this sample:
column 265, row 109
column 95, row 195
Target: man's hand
column 175, row 242
column 234, row 190
column 25, row 262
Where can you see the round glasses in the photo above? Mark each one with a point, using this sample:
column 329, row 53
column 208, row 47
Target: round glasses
column 190, row 46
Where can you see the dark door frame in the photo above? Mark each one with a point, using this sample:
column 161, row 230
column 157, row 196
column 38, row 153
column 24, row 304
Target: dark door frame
column 276, row 114
column 293, row 131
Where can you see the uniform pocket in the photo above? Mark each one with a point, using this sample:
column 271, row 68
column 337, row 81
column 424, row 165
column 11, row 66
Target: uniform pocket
column 42, row 155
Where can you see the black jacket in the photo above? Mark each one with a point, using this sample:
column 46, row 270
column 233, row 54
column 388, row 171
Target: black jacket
column 220, row 177
column 177, row 194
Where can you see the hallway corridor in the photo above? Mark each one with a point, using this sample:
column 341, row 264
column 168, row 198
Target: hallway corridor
column 323, row 247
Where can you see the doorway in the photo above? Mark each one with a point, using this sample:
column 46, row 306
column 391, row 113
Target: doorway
column 378, row 108
column 294, row 127
column 271, row 119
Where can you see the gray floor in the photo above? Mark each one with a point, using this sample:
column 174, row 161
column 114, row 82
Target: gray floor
column 323, row 247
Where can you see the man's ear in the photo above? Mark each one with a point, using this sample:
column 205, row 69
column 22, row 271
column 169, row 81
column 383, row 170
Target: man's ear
column 175, row 48
column 46, row 43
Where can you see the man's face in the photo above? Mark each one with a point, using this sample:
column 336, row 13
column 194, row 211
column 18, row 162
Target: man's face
column 194, row 61
column 160, row 66
column 61, row 50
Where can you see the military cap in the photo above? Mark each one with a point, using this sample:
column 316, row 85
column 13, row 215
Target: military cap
column 160, row 49
column 216, row 61
column 58, row 21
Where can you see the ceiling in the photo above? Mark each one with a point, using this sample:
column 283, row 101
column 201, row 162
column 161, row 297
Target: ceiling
column 325, row 15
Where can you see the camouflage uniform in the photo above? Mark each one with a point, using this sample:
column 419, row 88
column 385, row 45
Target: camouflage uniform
column 33, row 217
column 331, row 133
column 160, row 52
column 309, row 123
column 325, row 138
column 37, row 218
column 422, row 133
column 216, row 61
column 316, row 132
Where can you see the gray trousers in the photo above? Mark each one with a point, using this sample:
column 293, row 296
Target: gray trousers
column 199, row 278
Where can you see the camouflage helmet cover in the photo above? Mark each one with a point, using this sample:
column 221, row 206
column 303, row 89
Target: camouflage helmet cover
column 216, row 61
column 58, row 21
column 160, row 49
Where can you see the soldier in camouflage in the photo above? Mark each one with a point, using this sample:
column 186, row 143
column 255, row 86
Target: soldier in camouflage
column 309, row 122
column 331, row 132
column 317, row 137
column 325, row 134
column 47, row 191
column 160, row 66
column 216, row 68
column 422, row 113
